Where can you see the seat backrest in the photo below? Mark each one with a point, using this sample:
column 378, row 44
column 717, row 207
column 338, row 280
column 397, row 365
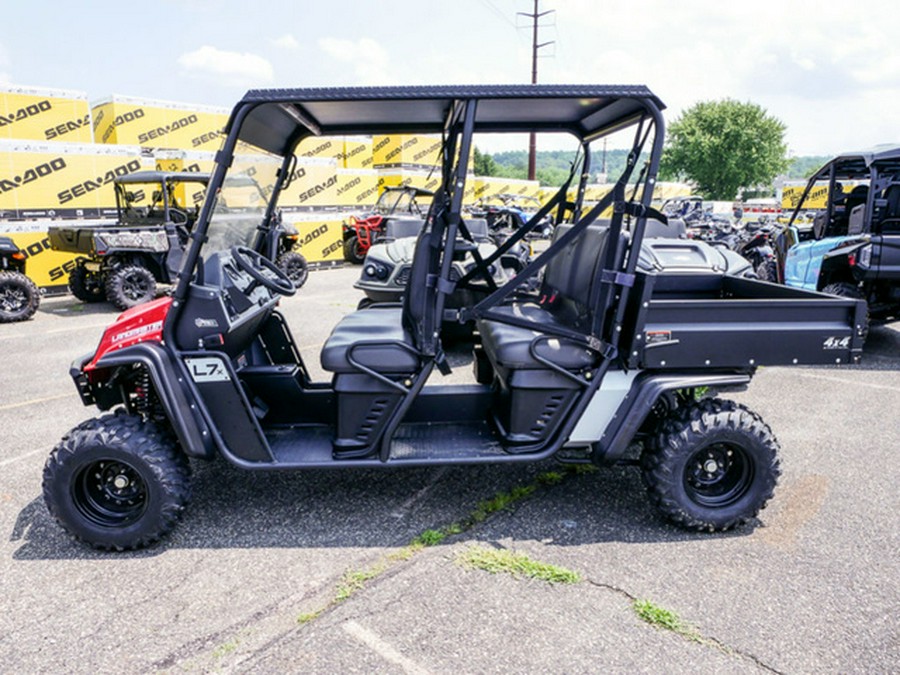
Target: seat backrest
column 570, row 275
column 856, row 222
column 400, row 228
column 675, row 229
column 478, row 228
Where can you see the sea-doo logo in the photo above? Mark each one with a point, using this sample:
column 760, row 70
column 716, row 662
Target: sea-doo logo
column 159, row 132
column 33, row 174
column 836, row 343
column 316, row 189
column 25, row 113
column 90, row 185
column 65, row 128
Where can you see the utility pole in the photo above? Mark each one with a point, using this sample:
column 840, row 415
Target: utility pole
column 535, row 46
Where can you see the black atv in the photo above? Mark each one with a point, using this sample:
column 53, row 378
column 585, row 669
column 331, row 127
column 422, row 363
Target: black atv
column 853, row 247
column 601, row 361
column 19, row 295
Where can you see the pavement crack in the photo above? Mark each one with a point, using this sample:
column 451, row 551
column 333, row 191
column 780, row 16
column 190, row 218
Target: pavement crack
column 695, row 636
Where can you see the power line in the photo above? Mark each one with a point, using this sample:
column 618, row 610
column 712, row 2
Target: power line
column 536, row 46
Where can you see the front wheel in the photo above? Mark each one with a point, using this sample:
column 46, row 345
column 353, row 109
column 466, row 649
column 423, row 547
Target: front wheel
column 712, row 467
column 19, row 297
column 130, row 286
column 117, row 482
column 294, row 266
column 353, row 251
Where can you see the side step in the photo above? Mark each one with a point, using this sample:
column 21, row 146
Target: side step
column 419, row 444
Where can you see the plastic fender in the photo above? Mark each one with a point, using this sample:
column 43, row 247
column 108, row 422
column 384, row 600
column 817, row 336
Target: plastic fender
column 174, row 391
column 645, row 390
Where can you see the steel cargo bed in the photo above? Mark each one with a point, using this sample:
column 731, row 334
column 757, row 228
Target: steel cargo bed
column 718, row 321
column 81, row 238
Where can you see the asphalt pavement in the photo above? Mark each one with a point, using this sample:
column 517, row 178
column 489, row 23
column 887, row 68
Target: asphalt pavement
column 313, row 572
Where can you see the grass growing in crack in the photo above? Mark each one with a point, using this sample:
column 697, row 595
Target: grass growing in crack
column 353, row 581
column 498, row 561
column 664, row 618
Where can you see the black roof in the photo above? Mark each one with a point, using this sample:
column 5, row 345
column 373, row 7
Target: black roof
column 278, row 118
column 857, row 164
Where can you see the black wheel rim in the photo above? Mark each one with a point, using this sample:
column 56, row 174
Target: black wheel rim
column 135, row 286
column 110, row 493
column 718, row 475
column 12, row 298
column 296, row 271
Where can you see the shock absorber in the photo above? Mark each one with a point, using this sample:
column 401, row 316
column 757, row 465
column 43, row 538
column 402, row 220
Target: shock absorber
column 143, row 392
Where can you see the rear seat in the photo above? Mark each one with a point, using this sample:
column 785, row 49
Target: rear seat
column 531, row 396
column 564, row 300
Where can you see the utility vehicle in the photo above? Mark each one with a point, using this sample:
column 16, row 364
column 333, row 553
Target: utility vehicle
column 124, row 262
column 403, row 202
column 601, row 360
column 19, row 295
column 853, row 247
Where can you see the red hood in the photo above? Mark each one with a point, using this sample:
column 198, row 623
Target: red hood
column 143, row 323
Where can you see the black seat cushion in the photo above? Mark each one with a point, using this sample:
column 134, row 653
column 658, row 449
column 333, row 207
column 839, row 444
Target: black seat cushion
column 509, row 347
column 394, row 354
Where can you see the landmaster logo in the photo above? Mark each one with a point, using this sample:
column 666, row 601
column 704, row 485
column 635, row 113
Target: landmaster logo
column 24, row 113
column 33, row 174
column 88, row 186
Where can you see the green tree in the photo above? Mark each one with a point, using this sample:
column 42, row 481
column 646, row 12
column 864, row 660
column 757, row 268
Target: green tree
column 484, row 164
column 724, row 146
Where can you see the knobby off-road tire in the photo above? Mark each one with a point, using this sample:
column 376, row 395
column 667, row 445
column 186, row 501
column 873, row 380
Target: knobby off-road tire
column 19, row 297
column 767, row 271
column 294, row 266
column 713, row 466
column 117, row 482
column 86, row 286
column 130, row 286
column 845, row 289
column 351, row 251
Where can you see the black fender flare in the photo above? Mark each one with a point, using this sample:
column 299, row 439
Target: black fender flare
column 644, row 394
column 174, row 390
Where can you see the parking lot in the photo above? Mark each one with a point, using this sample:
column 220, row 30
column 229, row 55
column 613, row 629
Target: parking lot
column 313, row 572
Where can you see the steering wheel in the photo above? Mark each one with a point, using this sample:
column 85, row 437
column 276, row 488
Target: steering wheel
column 254, row 263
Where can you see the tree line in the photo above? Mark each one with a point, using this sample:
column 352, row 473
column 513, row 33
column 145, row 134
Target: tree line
column 723, row 147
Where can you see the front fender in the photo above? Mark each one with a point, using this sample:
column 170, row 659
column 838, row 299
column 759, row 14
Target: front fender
column 171, row 386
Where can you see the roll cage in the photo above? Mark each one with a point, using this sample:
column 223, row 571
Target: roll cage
column 276, row 121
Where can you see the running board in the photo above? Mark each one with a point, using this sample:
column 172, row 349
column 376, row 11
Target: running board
column 420, row 444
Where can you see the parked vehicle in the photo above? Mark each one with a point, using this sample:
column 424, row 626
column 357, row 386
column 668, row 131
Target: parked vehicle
column 19, row 295
column 360, row 234
column 123, row 262
column 853, row 247
column 602, row 359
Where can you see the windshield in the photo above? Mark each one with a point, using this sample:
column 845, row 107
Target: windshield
column 240, row 206
column 397, row 201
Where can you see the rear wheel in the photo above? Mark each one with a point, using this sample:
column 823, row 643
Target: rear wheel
column 86, row 286
column 19, row 297
column 130, row 286
column 712, row 467
column 353, row 251
column 294, row 266
column 117, row 482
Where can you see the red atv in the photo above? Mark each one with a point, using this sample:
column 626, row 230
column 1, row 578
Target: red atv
column 361, row 233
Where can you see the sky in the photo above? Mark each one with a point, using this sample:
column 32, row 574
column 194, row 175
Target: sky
column 829, row 71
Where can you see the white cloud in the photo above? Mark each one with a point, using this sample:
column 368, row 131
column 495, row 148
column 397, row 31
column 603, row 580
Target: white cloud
column 368, row 58
column 286, row 41
column 229, row 68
